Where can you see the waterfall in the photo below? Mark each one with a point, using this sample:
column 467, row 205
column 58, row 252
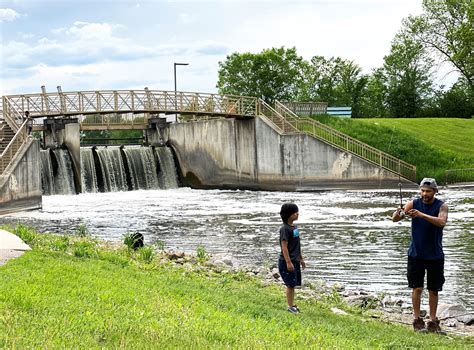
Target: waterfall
column 109, row 169
column 47, row 177
column 112, row 169
column 57, row 173
column 88, row 172
column 142, row 167
column 168, row 176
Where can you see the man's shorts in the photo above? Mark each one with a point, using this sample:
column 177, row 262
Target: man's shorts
column 291, row 279
column 434, row 272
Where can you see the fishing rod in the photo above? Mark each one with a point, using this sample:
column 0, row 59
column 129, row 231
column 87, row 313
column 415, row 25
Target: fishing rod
column 402, row 212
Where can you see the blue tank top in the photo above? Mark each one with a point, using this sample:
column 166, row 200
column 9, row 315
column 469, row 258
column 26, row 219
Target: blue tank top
column 426, row 238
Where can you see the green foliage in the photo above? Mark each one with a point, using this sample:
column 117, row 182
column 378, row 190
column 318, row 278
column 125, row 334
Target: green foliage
column 146, row 254
column 111, row 137
column 82, row 231
column 406, row 76
column 83, row 249
column 202, row 254
column 336, row 81
column 129, row 240
column 446, row 28
column 27, row 234
column 273, row 74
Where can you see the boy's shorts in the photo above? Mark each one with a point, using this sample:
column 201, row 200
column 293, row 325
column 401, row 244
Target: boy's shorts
column 291, row 279
column 434, row 273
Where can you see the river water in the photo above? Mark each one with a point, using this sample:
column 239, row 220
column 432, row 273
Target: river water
column 347, row 237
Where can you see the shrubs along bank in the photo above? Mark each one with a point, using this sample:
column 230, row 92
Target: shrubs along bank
column 79, row 292
column 434, row 145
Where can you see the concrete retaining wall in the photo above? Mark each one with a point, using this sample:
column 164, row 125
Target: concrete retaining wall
column 20, row 186
column 238, row 153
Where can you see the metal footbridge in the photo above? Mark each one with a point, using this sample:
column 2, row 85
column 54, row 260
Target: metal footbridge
column 130, row 109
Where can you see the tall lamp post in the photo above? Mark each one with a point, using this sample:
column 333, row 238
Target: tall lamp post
column 175, row 90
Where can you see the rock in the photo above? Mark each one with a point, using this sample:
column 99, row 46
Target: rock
column 275, row 273
column 457, row 311
column 361, row 300
column 466, row 319
column 337, row 311
column 175, row 256
column 450, row 322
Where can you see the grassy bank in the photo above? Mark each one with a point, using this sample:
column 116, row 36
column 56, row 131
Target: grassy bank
column 79, row 293
column 432, row 144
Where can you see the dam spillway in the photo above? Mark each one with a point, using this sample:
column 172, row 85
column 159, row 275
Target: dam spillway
column 108, row 169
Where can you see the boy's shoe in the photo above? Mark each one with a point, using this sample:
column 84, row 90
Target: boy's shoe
column 293, row 310
column 433, row 327
column 296, row 307
column 418, row 324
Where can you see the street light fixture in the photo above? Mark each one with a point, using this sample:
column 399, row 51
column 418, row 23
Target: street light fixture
column 175, row 90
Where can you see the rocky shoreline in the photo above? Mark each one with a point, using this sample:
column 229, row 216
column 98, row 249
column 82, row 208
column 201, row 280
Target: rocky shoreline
column 454, row 319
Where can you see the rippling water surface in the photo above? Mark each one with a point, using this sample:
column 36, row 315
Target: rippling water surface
column 347, row 237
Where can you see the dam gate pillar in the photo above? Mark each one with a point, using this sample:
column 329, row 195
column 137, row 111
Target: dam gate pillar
column 65, row 133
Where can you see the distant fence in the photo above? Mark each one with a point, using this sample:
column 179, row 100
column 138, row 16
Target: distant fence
column 306, row 109
column 345, row 112
column 459, row 176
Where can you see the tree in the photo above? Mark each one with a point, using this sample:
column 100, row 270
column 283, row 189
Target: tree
column 447, row 28
column 456, row 102
column 273, row 74
column 335, row 81
column 407, row 76
column 374, row 99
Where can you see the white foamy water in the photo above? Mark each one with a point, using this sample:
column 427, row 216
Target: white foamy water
column 347, row 236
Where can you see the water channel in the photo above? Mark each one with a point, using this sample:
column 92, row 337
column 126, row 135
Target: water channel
column 347, row 237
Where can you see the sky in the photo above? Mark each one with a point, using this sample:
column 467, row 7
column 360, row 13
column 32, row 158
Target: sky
column 120, row 44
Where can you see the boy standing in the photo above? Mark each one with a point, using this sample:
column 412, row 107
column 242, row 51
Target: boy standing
column 291, row 260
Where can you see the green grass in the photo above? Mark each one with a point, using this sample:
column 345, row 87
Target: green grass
column 51, row 298
column 432, row 144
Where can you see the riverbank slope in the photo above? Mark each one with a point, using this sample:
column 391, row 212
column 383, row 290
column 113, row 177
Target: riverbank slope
column 432, row 144
column 79, row 292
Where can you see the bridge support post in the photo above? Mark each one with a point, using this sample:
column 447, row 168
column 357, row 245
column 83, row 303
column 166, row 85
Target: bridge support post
column 157, row 131
column 60, row 133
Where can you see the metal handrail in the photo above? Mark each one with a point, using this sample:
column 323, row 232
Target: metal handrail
column 347, row 143
column 276, row 118
column 13, row 147
column 452, row 176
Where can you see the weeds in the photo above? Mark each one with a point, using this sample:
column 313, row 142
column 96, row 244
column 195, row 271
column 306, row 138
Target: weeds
column 27, row 234
column 82, row 231
column 201, row 254
column 146, row 254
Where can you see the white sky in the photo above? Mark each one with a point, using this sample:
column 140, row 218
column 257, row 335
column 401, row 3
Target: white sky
column 121, row 44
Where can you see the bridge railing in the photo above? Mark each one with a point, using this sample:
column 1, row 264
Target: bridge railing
column 124, row 101
column 347, row 143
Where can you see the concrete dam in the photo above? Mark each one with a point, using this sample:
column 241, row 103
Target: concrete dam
column 229, row 143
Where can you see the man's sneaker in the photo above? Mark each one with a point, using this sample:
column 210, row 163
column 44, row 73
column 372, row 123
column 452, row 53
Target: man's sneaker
column 293, row 310
column 296, row 307
column 418, row 324
column 433, row 327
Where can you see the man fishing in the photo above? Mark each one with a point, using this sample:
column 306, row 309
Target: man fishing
column 429, row 216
